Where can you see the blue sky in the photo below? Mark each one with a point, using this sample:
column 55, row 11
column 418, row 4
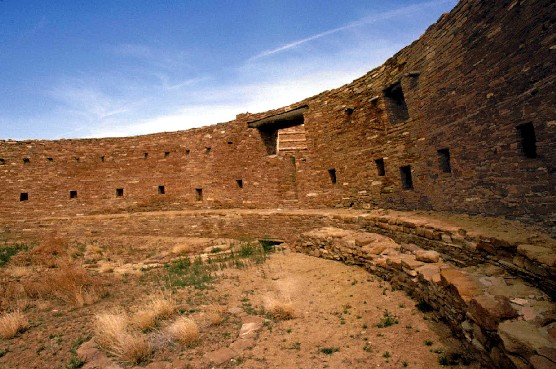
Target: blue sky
column 73, row 68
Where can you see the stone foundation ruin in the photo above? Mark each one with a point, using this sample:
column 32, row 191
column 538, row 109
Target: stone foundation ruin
column 460, row 121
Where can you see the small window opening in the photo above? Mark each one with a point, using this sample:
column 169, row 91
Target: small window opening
column 24, row 196
column 145, row 155
column 119, row 192
column 167, row 154
column 230, row 143
column 239, row 183
column 407, row 180
column 444, row 160
column 208, row 150
column 528, row 140
column 381, row 171
column 102, row 158
column 50, row 160
column 73, row 194
column 161, row 190
column 2, row 161
column 77, row 158
column 26, row 160
column 395, row 103
column 187, row 151
column 199, row 194
column 332, row 174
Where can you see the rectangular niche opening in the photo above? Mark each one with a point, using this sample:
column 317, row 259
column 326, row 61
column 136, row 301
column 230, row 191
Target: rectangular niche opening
column 380, row 170
column 24, row 196
column 239, row 183
column 119, row 192
column 230, row 143
column 332, row 175
column 270, row 127
column 199, row 194
column 395, row 103
column 166, row 154
column 145, row 155
column 187, row 151
column 50, row 160
column 102, row 159
column 73, row 194
column 161, row 190
column 407, row 180
column 2, row 161
column 26, row 160
column 208, row 150
column 528, row 140
column 444, row 160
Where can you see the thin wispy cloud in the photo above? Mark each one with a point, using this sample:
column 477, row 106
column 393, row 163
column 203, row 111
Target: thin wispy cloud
column 408, row 10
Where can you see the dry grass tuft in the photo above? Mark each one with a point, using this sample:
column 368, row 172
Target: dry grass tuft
column 184, row 330
column 214, row 315
column 72, row 284
column 13, row 323
column 282, row 310
column 181, row 249
column 158, row 307
column 112, row 335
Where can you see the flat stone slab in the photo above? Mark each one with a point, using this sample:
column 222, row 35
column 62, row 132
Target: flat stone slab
column 221, row 356
column 427, row 256
column 465, row 285
column 487, row 310
column 522, row 337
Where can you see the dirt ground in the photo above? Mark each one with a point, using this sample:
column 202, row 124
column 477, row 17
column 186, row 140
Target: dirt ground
column 337, row 312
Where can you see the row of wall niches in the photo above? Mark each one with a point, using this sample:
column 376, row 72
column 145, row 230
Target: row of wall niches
column 102, row 158
column 120, row 192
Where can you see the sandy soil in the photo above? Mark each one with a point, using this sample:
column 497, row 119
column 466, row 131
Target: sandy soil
column 337, row 309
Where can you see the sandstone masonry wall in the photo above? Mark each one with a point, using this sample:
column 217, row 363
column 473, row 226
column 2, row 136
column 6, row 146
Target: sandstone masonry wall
column 460, row 120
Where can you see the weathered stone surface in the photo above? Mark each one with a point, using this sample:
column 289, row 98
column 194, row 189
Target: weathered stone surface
column 488, row 310
column 465, row 285
column 221, row 356
column 427, row 256
column 249, row 330
column 543, row 255
column 521, row 337
column 241, row 345
column 540, row 362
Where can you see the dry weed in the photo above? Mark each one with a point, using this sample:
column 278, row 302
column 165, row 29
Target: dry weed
column 16, row 271
column 13, row 323
column 181, row 249
column 279, row 309
column 112, row 335
column 74, row 285
column 214, row 315
column 156, row 308
column 184, row 330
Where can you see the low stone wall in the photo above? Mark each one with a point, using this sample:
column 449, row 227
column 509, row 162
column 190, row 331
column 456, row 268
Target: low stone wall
column 508, row 323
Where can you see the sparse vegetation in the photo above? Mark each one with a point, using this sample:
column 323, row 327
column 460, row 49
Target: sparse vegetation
column 428, row 343
column 388, row 319
column 8, row 251
column 13, row 323
column 453, row 358
column 329, row 350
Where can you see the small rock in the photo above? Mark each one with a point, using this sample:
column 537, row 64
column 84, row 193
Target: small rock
column 242, row 344
column 540, row 362
column 220, row 356
column 235, row 310
column 249, row 330
column 427, row 256
column 521, row 337
column 520, row 302
column 488, row 310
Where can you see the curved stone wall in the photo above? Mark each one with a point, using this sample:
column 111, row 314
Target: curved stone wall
column 460, row 120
